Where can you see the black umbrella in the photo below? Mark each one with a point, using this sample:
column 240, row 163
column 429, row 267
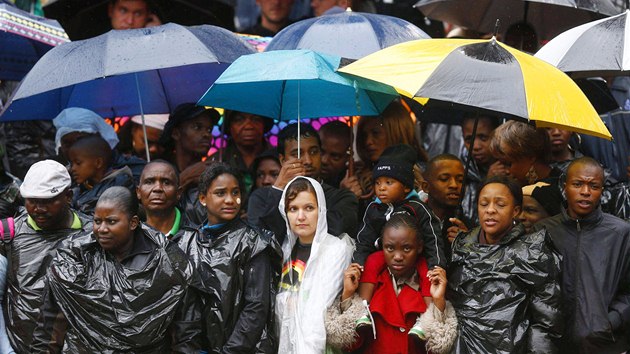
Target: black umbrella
column 547, row 17
column 88, row 18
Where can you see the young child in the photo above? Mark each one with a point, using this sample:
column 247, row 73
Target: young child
column 90, row 159
column 403, row 289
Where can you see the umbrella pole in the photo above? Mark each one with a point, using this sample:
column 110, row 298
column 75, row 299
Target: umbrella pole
column 223, row 143
column 144, row 126
column 460, row 211
column 351, row 149
column 299, row 136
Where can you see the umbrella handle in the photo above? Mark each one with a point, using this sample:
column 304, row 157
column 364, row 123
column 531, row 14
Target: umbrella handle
column 351, row 149
column 144, row 126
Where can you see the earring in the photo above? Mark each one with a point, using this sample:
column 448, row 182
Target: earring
column 531, row 175
column 202, row 203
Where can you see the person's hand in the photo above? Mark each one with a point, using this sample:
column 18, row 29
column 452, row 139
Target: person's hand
column 351, row 183
column 290, row 169
column 190, row 175
column 351, row 278
column 437, row 277
column 457, row 227
column 497, row 169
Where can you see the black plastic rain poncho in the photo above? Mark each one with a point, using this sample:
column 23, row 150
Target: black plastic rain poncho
column 507, row 295
column 134, row 305
column 29, row 255
column 237, row 271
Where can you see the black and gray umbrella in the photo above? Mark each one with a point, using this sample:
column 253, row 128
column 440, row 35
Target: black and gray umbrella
column 547, row 17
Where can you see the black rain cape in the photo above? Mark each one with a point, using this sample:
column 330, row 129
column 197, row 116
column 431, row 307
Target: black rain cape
column 507, row 295
column 237, row 271
column 113, row 308
column 29, row 255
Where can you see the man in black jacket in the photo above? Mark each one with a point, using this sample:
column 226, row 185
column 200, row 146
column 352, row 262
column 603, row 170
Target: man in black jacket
column 596, row 265
column 263, row 203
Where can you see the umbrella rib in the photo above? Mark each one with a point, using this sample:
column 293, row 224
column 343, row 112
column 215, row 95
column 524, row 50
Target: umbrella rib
column 284, row 83
column 168, row 102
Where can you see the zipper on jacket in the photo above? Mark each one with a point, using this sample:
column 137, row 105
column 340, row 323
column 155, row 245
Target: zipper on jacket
column 577, row 273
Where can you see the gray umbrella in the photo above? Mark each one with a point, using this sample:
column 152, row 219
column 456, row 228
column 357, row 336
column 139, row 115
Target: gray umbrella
column 547, row 17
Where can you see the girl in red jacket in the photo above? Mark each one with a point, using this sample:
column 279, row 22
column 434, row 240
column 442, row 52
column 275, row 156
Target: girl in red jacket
column 403, row 290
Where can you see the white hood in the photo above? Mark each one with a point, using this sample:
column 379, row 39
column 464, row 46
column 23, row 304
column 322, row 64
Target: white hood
column 300, row 315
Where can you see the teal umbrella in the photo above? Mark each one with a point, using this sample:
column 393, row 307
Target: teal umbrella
column 293, row 84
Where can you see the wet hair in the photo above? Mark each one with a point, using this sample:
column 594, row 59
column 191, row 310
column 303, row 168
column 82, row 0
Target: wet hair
column 162, row 162
column 441, row 157
column 215, row 170
column 295, row 188
column 587, row 161
column 522, row 140
column 512, row 185
column 94, row 146
column 290, row 132
column 122, row 197
column 399, row 129
column 403, row 220
column 336, row 129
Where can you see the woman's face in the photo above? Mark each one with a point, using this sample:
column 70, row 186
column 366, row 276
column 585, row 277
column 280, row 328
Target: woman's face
column 496, row 210
column 113, row 228
column 517, row 167
column 532, row 212
column 222, row 199
column 302, row 214
column 374, row 137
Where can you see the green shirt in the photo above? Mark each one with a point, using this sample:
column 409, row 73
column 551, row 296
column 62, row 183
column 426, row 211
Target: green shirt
column 76, row 223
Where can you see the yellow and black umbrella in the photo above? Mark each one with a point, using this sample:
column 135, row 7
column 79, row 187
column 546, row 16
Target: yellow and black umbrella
column 483, row 75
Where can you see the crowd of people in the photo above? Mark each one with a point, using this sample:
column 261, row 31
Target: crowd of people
column 254, row 249
column 139, row 240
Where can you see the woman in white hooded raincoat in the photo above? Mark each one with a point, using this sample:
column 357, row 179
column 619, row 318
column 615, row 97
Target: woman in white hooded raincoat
column 310, row 281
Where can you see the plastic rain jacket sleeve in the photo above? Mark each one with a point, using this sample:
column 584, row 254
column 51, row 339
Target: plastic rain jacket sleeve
column 29, row 255
column 237, row 270
column 5, row 346
column 109, row 306
column 300, row 314
column 506, row 296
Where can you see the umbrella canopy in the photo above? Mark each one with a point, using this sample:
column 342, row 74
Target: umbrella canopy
column 548, row 17
column 483, row 75
column 350, row 35
column 88, row 18
column 293, row 84
column 598, row 48
column 150, row 70
column 24, row 38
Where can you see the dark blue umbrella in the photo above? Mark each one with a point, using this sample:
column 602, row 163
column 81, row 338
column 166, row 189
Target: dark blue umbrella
column 24, row 38
column 149, row 70
column 351, row 35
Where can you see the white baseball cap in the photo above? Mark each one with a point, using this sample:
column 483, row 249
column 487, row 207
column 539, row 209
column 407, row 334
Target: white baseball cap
column 44, row 180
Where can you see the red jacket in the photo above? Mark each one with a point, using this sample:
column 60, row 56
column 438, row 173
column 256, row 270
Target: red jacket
column 395, row 315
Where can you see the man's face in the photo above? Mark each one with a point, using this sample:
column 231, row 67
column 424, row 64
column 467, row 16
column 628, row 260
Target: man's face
column 128, row 14
column 583, row 189
column 310, row 154
column 481, row 151
column 194, row 136
column 275, row 11
column 445, row 183
column 247, row 129
column 334, row 155
column 153, row 137
column 158, row 191
column 559, row 139
column 51, row 213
